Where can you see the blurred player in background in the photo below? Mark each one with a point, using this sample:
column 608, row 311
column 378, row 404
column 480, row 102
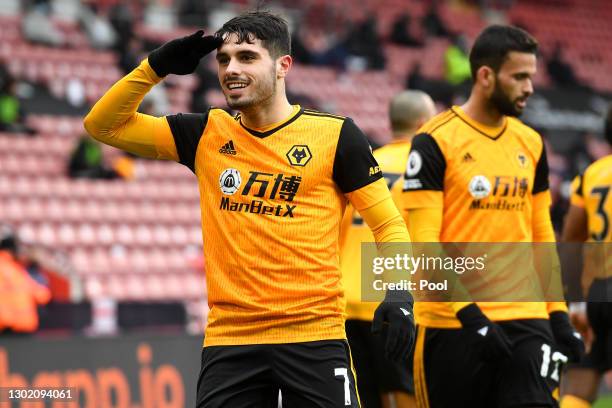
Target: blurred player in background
column 379, row 379
column 495, row 354
column 588, row 220
column 20, row 293
column 274, row 181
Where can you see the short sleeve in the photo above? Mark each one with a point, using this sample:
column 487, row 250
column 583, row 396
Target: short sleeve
column 354, row 164
column 426, row 165
column 540, row 182
column 187, row 129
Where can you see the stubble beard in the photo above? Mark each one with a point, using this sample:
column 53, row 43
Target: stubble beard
column 262, row 95
column 500, row 101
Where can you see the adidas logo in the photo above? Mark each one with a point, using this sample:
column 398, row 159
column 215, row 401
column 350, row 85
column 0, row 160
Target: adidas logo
column 467, row 158
column 228, row 148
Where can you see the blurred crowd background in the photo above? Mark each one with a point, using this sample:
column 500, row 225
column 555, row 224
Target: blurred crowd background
column 112, row 243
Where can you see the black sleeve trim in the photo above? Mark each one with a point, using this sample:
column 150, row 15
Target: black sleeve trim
column 426, row 165
column 354, row 164
column 540, row 182
column 187, row 129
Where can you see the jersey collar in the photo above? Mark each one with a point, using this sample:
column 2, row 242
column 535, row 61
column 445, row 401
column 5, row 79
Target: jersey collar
column 274, row 127
column 401, row 141
column 488, row 131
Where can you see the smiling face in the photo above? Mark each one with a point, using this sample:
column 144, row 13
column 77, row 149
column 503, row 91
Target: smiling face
column 513, row 83
column 247, row 73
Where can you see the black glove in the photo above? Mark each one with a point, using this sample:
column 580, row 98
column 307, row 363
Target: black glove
column 396, row 311
column 182, row 55
column 567, row 338
column 487, row 336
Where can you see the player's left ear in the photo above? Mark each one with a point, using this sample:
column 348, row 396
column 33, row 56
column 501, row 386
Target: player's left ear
column 487, row 77
column 283, row 65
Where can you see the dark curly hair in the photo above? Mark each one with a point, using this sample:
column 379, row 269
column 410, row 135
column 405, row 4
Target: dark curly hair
column 271, row 29
column 493, row 45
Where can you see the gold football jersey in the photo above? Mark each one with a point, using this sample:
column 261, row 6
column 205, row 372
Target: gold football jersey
column 591, row 191
column 487, row 181
column 272, row 201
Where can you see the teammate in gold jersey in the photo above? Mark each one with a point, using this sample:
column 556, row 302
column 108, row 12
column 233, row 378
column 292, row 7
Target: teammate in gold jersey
column 588, row 220
column 475, row 173
column 379, row 379
column 274, row 182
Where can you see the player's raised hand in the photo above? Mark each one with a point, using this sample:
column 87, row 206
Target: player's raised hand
column 396, row 312
column 486, row 335
column 567, row 338
column 182, row 55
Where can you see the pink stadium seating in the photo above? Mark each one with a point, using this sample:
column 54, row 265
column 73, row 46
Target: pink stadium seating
column 109, row 228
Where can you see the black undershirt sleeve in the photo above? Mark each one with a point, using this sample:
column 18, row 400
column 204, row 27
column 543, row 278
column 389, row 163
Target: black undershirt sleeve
column 187, row 129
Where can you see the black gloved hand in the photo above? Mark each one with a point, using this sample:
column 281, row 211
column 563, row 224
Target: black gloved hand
column 182, row 55
column 568, row 340
column 396, row 311
column 487, row 336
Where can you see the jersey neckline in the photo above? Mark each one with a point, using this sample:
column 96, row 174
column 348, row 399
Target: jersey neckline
column 275, row 127
column 492, row 132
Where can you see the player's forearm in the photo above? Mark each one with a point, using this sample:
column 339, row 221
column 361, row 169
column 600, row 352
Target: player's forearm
column 386, row 222
column 542, row 227
column 377, row 209
column 390, row 234
column 114, row 121
column 379, row 212
column 546, row 256
column 575, row 232
column 425, row 224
